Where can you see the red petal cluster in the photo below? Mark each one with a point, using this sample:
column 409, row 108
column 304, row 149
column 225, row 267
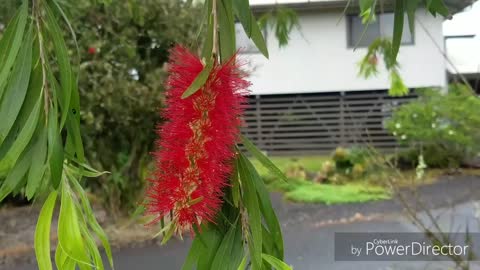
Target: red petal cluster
column 196, row 144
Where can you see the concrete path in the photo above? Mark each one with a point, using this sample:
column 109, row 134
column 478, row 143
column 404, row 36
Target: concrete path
column 309, row 230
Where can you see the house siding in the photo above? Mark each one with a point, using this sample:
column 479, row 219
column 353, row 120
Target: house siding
column 312, row 124
column 318, row 59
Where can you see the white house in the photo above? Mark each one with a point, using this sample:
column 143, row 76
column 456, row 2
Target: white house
column 307, row 98
column 462, row 40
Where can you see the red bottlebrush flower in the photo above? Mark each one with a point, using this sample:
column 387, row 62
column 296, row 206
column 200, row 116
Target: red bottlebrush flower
column 195, row 146
column 92, row 50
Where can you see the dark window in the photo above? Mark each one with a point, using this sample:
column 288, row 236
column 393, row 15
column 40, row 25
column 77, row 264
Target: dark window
column 381, row 27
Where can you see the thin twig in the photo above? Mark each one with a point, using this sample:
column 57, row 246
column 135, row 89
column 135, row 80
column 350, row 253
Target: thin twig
column 37, row 12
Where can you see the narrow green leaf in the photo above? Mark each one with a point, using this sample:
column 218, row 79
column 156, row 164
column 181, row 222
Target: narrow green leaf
column 55, row 151
column 69, row 234
column 37, row 170
column 243, row 264
column 62, row 260
column 211, row 239
column 250, row 200
column 21, row 141
column 74, row 137
column 199, row 80
column 257, row 37
column 276, row 263
column 66, row 74
column 226, row 31
column 16, row 175
column 437, row 6
column 397, row 27
column 16, row 88
column 268, row 213
column 264, row 160
column 91, row 247
column 224, row 257
column 235, row 189
column 32, row 97
column 42, row 233
column 193, row 254
column 92, row 221
column 411, row 7
column 169, row 233
column 242, row 10
column 208, row 44
column 11, row 43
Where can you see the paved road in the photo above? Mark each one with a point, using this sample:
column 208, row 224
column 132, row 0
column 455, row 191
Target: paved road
column 309, row 231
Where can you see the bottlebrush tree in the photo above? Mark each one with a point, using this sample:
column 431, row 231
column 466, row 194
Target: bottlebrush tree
column 203, row 184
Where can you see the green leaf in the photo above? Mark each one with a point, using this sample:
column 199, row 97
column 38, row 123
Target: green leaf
column 268, row 213
column 411, row 7
column 210, row 239
column 170, row 230
column 243, row 263
column 16, row 175
column 257, row 37
column 226, row 31
column 264, row 160
column 208, row 44
column 69, row 234
column 42, row 233
column 37, row 170
column 224, row 259
column 16, row 88
column 199, row 80
column 276, row 263
column 66, row 74
column 397, row 27
column 365, row 5
column 55, row 151
column 92, row 221
column 437, row 6
column 398, row 87
column 242, row 10
column 21, row 141
column 92, row 247
column 193, row 254
column 74, row 138
column 250, row 200
column 10, row 44
column 62, row 260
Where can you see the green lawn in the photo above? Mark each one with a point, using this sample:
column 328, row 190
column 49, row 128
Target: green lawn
column 300, row 190
column 310, row 163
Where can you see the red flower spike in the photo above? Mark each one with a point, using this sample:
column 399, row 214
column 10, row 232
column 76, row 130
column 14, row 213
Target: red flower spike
column 195, row 146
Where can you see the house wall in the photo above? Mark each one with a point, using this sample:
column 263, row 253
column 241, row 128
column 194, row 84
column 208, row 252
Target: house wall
column 318, row 59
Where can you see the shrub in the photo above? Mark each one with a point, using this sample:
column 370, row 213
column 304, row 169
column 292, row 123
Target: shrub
column 123, row 49
column 444, row 127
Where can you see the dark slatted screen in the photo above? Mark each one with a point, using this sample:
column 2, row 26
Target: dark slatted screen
column 308, row 124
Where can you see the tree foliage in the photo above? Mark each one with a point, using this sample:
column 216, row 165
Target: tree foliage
column 123, row 50
column 444, row 127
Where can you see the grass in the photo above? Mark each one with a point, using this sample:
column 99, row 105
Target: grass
column 310, row 163
column 308, row 192
column 337, row 194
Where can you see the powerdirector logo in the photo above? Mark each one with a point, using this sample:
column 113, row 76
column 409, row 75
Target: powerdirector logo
column 406, row 246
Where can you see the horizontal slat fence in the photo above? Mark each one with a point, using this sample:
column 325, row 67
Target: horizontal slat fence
column 308, row 124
